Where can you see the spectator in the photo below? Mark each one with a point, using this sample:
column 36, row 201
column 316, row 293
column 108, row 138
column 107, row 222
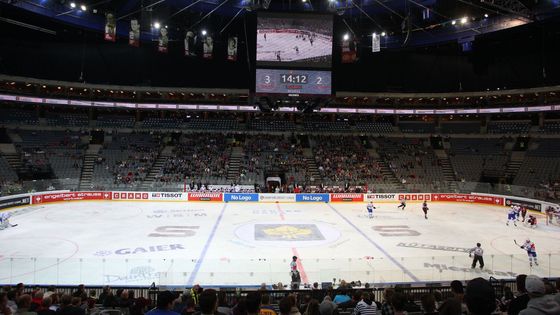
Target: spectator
column 36, row 301
column 386, row 307
column 366, row 306
column 429, row 304
column 540, row 302
column 189, row 308
column 480, row 297
column 342, row 296
column 164, row 306
column 223, row 306
column 4, row 309
column 356, row 297
column 208, row 302
column 12, row 294
column 294, row 309
column 45, row 308
column 80, row 291
column 458, row 295
column 312, row 308
column 66, row 307
column 327, row 307
column 253, row 303
column 104, row 294
column 520, row 302
column 91, row 300
column 303, row 306
column 23, row 304
column 506, row 299
column 179, row 306
column 398, row 301
column 266, row 308
column 140, row 306
column 285, row 306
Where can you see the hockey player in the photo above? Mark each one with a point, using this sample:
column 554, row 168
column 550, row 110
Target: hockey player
column 403, row 204
column 5, row 221
column 478, row 251
column 532, row 221
column 531, row 252
column 523, row 213
column 516, row 210
column 265, row 37
column 297, row 50
column 425, row 209
column 370, row 208
column 278, row 56
column 511, row 217
column 294, row 273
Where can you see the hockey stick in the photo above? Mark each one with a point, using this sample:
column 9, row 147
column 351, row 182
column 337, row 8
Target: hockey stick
column 13, row 225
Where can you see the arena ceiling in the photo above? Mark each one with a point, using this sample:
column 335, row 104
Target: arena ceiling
column 406, row 22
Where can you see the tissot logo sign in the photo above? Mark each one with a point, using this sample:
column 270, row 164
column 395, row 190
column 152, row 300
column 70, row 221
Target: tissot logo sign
column 168, row 196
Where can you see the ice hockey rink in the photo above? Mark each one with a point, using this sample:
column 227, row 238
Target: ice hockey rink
column 234, row 244
column 285, row 44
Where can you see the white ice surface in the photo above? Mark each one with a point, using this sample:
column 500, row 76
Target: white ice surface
column 217, row 244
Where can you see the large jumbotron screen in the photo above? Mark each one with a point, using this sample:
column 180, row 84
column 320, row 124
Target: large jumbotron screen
column 295, row 40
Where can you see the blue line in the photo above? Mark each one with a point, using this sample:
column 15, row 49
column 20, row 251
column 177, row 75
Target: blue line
column 205, row 248
column 403, row 268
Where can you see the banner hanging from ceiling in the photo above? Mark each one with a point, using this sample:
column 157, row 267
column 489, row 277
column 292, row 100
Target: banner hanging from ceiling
column 232, row 49
column 110, row 27
column 134, row 34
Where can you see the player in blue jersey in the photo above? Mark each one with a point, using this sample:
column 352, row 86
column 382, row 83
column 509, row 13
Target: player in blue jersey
column 511, row 217
column 370, row 208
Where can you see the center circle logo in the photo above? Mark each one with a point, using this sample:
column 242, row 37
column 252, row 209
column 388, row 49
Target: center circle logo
column 287, row 233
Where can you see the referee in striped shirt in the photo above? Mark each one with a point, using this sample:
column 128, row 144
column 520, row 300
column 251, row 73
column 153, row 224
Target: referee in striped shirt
column 366, row 306
column 478, row 251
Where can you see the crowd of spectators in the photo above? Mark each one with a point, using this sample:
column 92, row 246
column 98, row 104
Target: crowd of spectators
column 276, row 154
column 344, row 159
column 534, row 296
column 197, row 156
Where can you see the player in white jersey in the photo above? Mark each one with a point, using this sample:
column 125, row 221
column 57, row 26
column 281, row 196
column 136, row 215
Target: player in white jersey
column 478, row 251
column 511, row 217
column 370, row 208
column 403, row 204
column 5, row 221
column 531, row 252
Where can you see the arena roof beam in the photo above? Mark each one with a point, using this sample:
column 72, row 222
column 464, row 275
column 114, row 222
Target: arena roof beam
column 514, row 7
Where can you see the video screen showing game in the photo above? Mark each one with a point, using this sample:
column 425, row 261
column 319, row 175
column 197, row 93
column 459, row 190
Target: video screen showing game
column 295, row 40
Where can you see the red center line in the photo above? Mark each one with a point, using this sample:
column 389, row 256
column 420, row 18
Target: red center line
column 294, row 250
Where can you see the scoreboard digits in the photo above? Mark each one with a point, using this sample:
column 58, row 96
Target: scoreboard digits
column 271, row 81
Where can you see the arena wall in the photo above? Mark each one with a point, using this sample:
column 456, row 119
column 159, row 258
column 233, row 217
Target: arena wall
column 21, row 200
